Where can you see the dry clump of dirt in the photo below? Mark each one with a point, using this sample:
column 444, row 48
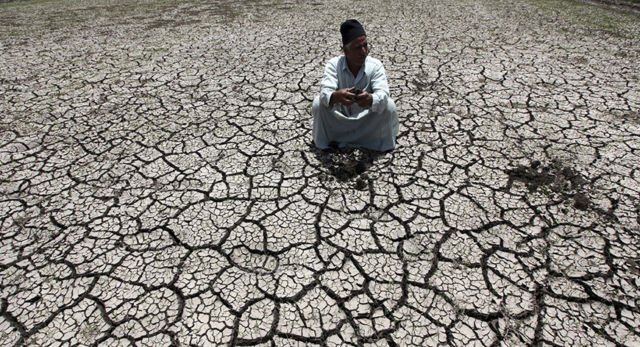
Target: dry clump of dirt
column 346, row 164
column 555, row 178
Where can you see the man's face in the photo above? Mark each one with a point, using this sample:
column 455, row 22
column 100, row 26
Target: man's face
column 357, row 50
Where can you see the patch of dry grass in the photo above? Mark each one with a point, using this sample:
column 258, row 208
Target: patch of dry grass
column 579, row 14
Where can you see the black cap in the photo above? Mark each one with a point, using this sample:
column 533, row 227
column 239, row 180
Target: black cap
column 351, row 29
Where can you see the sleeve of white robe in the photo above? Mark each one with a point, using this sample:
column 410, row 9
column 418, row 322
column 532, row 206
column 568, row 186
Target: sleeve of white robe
column 380, row 89
column 329, row 82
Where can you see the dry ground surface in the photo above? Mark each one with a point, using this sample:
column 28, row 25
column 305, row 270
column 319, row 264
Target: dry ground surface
column 158, row 184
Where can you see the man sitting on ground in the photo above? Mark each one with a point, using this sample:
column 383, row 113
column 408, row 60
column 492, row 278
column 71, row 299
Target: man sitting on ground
column 354, row 108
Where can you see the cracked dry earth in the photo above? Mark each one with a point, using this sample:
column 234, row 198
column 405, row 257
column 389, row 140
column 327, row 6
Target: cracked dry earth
column 159, row 187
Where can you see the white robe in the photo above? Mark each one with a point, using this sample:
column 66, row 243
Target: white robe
column 374, row 128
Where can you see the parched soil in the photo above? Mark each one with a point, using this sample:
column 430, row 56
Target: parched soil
column 158, row 184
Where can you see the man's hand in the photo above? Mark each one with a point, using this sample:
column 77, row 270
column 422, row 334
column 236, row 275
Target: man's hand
column 344, row 96
column 347, row 96
column 364, row 99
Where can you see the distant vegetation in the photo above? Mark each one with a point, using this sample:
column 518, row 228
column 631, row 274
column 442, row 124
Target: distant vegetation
column 580, row 14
